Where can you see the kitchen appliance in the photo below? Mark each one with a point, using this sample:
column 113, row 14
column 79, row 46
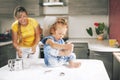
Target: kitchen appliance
column 15, row 64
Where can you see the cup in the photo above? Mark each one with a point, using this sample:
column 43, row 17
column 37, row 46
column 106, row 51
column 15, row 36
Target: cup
column 15, row 64
column 26, row 63
column 112, row 42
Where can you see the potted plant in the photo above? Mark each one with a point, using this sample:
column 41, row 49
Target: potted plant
column 100, row 29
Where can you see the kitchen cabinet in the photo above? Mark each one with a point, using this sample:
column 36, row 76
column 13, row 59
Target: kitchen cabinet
column 32, row 7
column 41, row 51
column 55, row 10
column 6, row 52
column 55, row 7
column 7, row 6
column 88, row 7
column 116, row 67
column 107, row 59
column 81, row 50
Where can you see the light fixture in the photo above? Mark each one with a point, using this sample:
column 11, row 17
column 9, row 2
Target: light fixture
column 53, row 4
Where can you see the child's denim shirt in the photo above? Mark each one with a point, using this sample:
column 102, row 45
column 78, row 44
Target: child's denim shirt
column 51, row 55
column 48, row 50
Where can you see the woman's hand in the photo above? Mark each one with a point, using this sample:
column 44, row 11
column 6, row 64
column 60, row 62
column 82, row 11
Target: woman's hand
column 34, row 49
column 19, row 52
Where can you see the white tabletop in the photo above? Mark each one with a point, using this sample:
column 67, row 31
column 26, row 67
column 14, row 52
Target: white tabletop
column 89, row 70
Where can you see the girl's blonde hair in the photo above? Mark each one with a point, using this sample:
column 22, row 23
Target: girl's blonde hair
column 49, row 29
column 59, row 21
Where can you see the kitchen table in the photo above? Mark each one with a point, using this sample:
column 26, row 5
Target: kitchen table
column 89, row 70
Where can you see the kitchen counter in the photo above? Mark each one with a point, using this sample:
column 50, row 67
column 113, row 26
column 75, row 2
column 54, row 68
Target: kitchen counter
column 117, row 56
column 5, row 43
column 96, row 45
column 89, row 70
column 93, row 44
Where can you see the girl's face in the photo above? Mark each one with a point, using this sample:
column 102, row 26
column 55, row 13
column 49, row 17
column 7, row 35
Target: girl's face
column 22, row 18
column 60, row 32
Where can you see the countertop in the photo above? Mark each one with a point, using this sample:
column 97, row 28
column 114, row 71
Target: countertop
column 89, row 70
column 93, row 44
column 96, row 45
column 5, row 43
column 117, row 56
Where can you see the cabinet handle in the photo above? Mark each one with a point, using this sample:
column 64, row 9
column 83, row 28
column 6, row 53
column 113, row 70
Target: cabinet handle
column 79, row 47
column 11, row 47
column 96, row 54
column 88, row 52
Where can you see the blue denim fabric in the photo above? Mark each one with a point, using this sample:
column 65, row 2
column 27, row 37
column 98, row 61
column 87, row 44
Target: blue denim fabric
column 51, row 56
column 52, row 61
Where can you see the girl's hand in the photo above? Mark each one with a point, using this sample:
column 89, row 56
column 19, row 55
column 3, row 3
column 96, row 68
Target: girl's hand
column 69, row 47
column 67, row 51
column 68, row 43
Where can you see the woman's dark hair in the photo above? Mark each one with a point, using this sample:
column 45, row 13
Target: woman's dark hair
column 19, row 9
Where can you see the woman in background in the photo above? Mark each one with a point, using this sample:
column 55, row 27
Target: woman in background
column 25, row 34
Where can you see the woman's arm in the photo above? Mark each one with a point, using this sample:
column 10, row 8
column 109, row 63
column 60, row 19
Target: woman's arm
column 14, row 40
column 38, row 32
column 15, row 44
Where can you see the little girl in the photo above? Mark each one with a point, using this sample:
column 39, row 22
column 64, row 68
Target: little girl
column 56, row 52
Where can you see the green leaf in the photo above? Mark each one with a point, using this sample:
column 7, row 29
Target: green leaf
column 89, row 31
column 101, row 27
column 97, row 31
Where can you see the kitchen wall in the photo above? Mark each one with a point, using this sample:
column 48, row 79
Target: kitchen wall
column 84, row 13
column 6, row 22
column 80, row 13
column 114, row 19
column 79, row 23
